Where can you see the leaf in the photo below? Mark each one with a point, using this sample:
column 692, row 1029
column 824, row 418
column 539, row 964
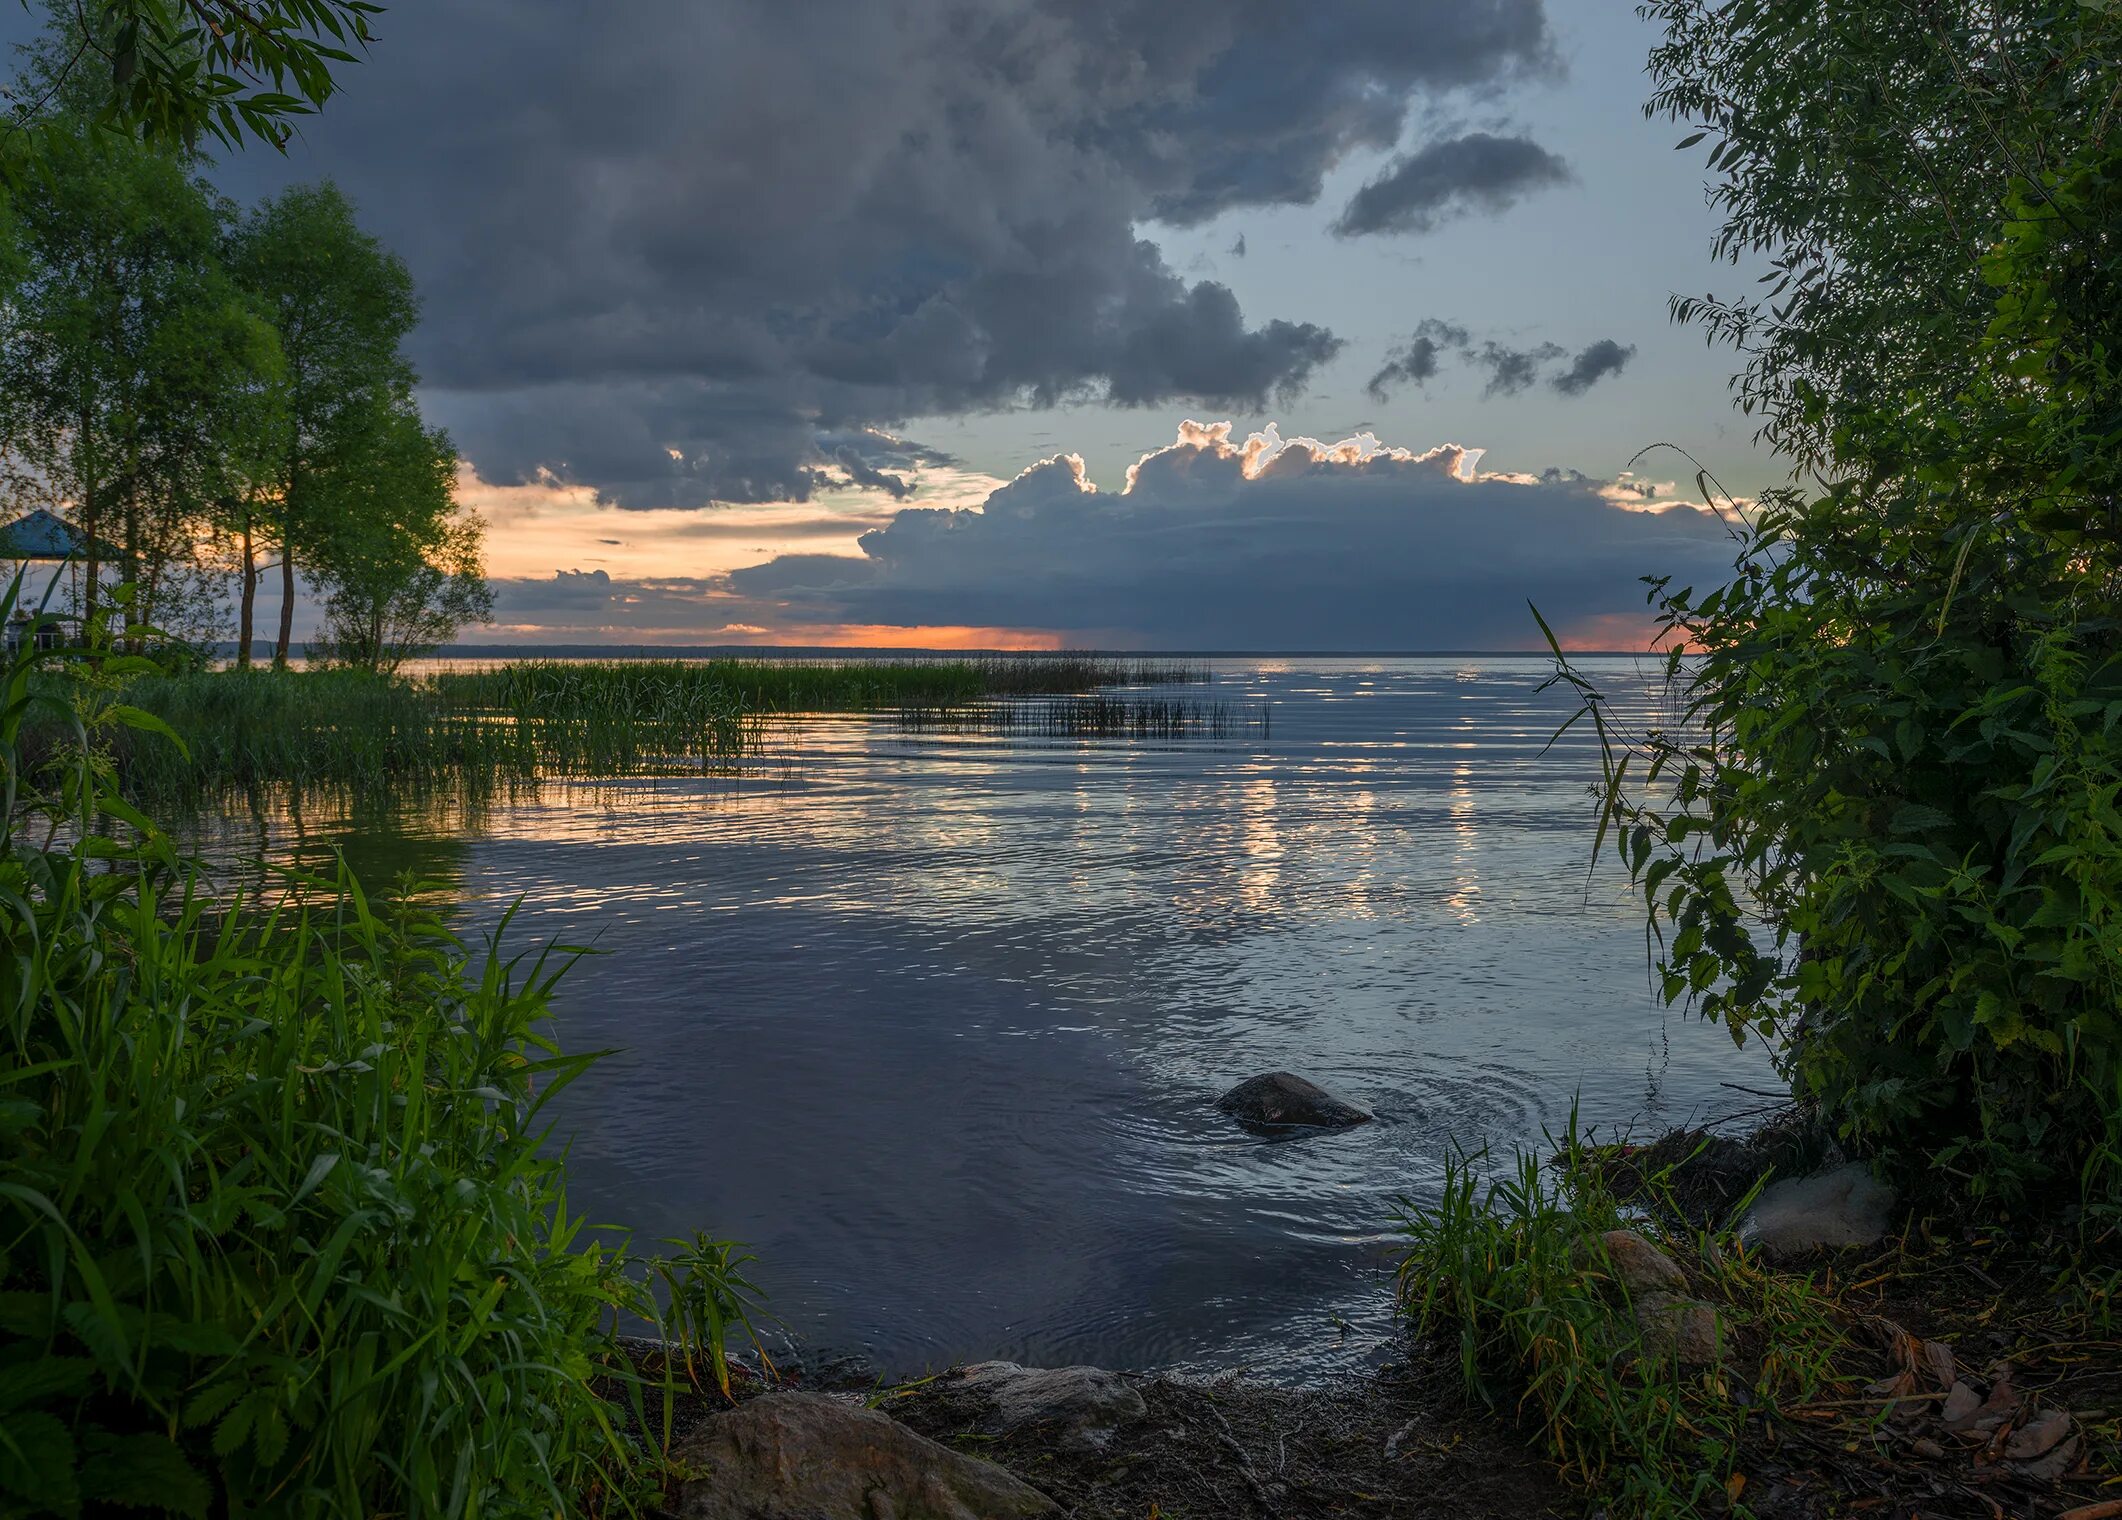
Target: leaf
column 144, row 1472
column 134, row 717
column 37, row 1460
column 24, row 1383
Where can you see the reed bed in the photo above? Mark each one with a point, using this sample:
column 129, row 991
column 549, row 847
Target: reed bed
column 478, row 733
column 1092, row 717
column 630, row 689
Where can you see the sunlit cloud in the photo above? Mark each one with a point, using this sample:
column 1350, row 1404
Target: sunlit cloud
column 547, row 524
column 1214, row 541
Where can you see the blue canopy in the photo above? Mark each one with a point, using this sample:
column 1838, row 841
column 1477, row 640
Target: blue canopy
column 41, row 535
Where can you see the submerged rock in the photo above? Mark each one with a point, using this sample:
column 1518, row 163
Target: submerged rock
column 803, row 1456
column 1845, row 1206
column 1080, row 1407
column 1279, row 1100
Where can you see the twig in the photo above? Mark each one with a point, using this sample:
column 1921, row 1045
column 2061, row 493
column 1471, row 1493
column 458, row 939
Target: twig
column 1229, row 1438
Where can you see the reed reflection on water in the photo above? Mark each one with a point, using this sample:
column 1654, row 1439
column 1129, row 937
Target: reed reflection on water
column 935, row 1018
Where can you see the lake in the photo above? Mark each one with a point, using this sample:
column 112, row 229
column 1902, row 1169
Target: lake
column 935, row 1021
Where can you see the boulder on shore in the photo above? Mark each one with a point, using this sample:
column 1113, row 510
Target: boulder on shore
column 1278, row 1100
column 1845, row 1206
column 803, row 1456
column 1684, row 1328
column 1079, row 1407
column 1641, row 1266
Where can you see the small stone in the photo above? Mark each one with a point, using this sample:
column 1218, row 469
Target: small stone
column 803, row 1456
column 2038, row 1436
column 1679, row 1327
column 1846, row 1206
column 1926, row 1447
column 1080, row 1406
column 1278, row 1100
column 1641, row 1266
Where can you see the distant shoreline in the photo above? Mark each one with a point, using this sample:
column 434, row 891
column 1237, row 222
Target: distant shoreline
column 843, row 651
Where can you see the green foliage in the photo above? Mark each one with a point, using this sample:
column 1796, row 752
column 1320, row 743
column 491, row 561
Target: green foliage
column 1917, row 802
column 279, row 1231
column 708, row 1297
column 1870, row 155
column 1881, row 827
column 1518, row 1270
column 401, row 563
column 130, row 364
column 177, row 71
column 347, row 483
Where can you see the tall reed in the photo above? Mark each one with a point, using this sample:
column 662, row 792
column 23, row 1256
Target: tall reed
column 476, row 731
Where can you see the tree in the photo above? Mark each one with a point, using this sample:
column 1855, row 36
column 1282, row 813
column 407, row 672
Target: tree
column 173, row 72
column 130, row 364
column 341, row 304
column 401, row 570
column 1888, row 834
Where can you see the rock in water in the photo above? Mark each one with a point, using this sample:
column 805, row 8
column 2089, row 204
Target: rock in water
column 802, row 1456
column 1080, row 1407
column 1845, row 1206
column 1281, row 1100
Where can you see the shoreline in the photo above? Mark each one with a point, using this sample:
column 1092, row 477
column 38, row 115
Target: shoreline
column 1411, row 1438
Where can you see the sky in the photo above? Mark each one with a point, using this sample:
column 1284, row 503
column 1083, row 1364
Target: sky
column 1137, row 323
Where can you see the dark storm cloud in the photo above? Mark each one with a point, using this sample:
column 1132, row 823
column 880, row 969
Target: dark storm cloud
column 1417, row 360
column 1448, row 179
column 661, row 250
column 862, row 473
column 1603, row 358
column 1257, row 545
column 1511, row 369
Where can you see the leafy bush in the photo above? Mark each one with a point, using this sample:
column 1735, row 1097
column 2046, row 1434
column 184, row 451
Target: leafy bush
column 1917, row 798
column 1881, row 827
column 278, row 1233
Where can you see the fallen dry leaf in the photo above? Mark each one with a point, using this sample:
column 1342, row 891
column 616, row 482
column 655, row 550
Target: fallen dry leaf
column 1961, row 1407
column 2038, row 1436
column 2053, row 1466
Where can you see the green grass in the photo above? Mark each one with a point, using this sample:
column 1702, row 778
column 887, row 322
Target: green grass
column 280, row 1229
column 1516, row 1269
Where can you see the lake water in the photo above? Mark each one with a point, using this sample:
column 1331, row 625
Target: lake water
column 936, row 1022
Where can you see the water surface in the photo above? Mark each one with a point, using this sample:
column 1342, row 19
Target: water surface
column 936, row 1022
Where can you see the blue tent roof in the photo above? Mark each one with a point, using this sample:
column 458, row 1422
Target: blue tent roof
column 44, row 536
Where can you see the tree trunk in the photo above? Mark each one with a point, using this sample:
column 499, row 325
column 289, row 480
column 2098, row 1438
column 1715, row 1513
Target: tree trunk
column 131, row 550
column 87, row 476
column 287, row 606
column 247, row 617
